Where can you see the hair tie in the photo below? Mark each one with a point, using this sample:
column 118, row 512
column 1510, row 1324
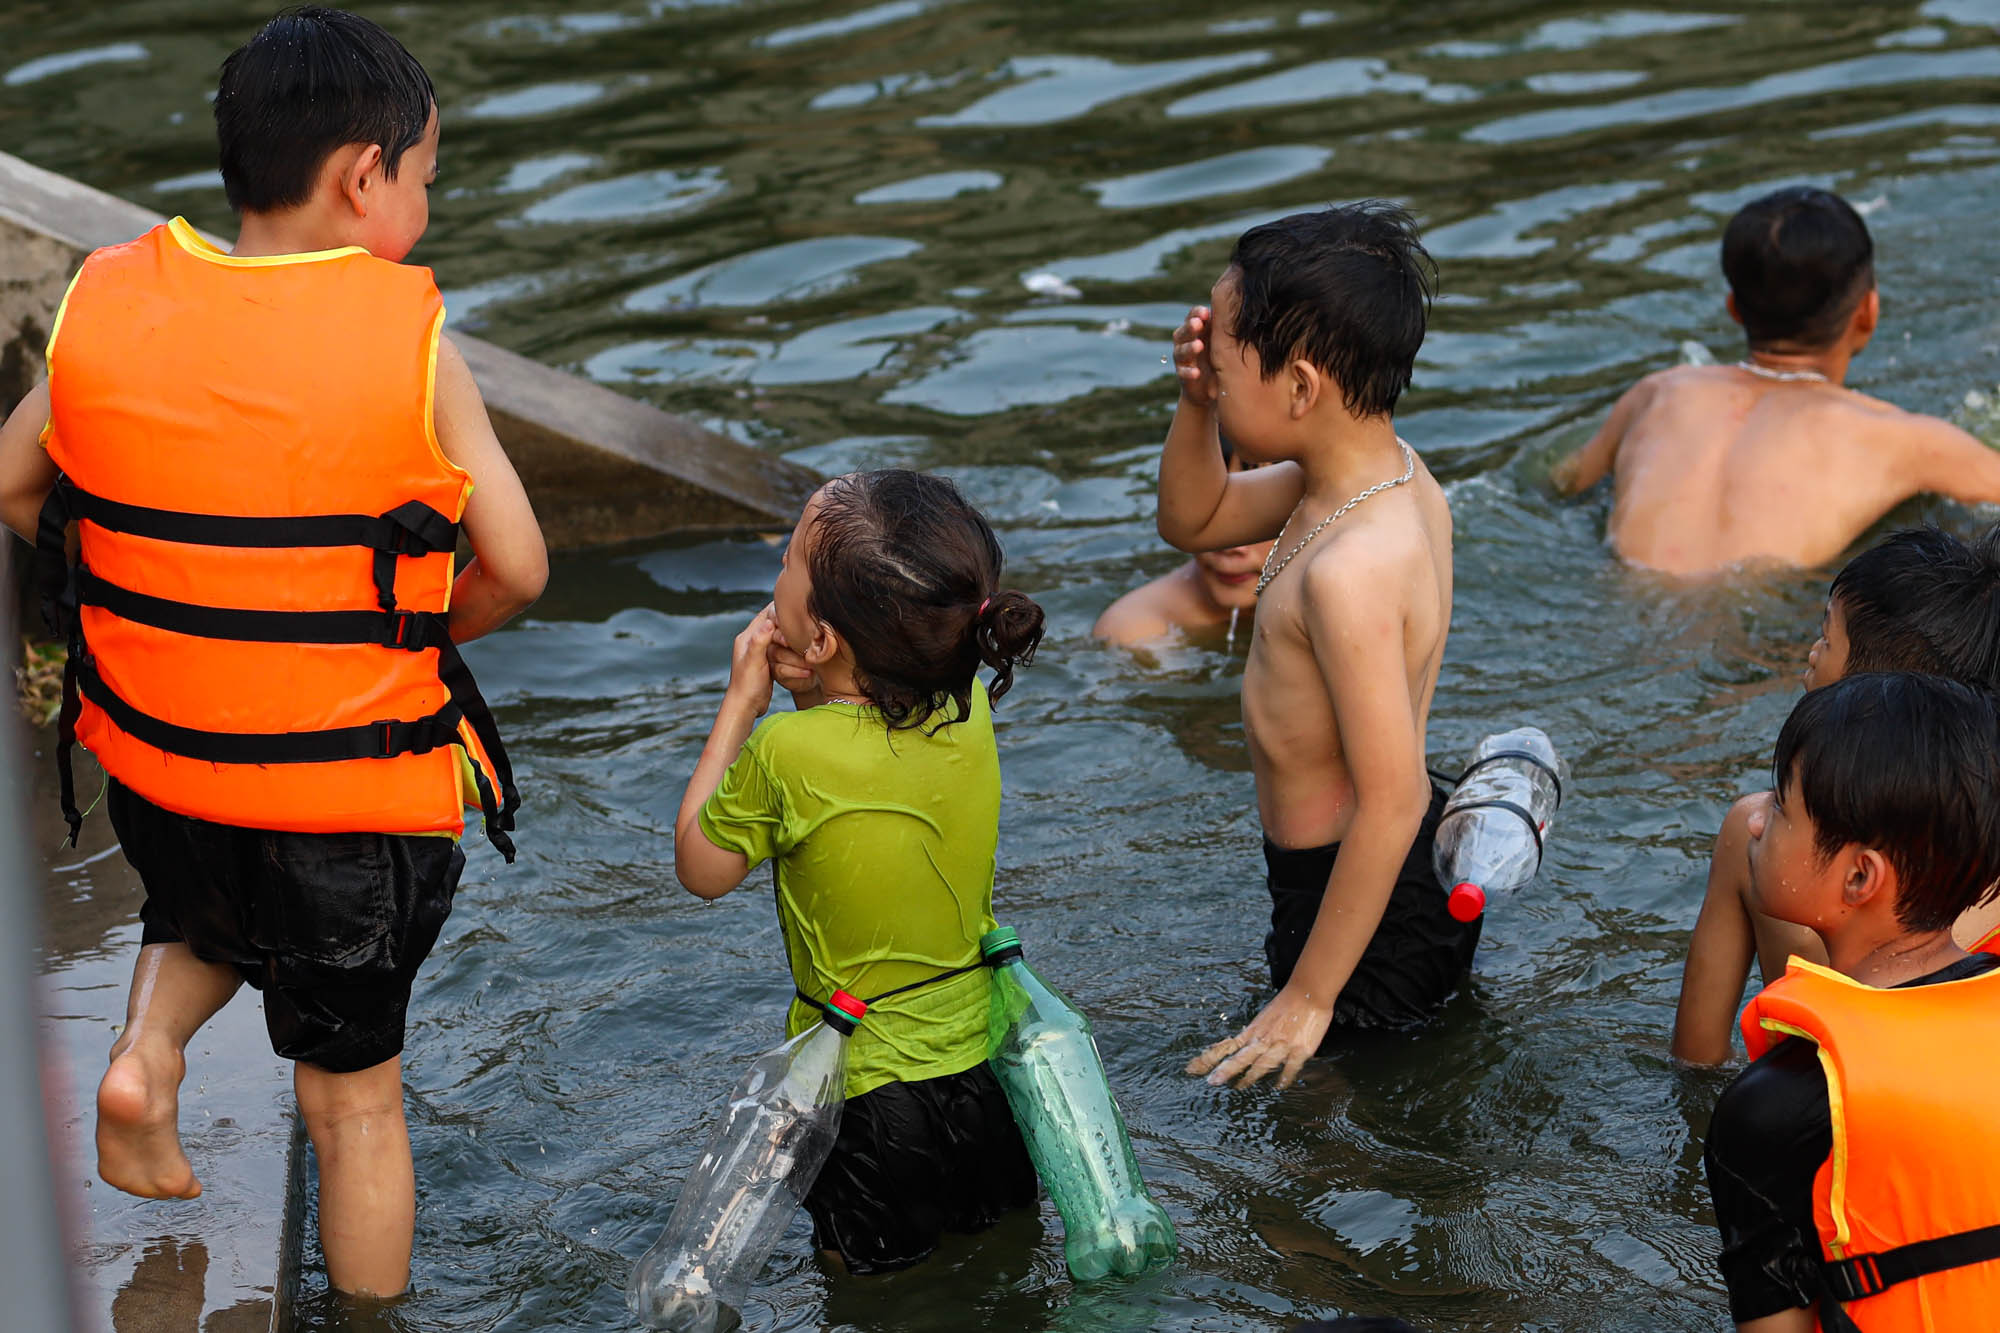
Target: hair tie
column 982, row 607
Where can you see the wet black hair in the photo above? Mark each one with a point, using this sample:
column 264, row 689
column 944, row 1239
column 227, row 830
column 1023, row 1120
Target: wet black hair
column 1347, row 289
column 909, row 573
column 1799, row 260
column 312, row 81
column 1909, row 765
column 1922, row 600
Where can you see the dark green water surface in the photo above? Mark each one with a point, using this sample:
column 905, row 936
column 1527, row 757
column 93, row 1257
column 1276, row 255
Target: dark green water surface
column 809, row 225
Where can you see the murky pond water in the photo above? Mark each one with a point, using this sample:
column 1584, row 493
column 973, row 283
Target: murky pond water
column 811, row 225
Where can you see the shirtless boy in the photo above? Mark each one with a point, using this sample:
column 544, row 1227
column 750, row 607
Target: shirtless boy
column 1214, row 589
column 1771, row 459
column 1300, row 358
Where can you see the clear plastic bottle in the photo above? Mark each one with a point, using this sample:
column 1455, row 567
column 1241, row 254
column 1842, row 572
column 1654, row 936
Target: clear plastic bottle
column 753, row 1175
column 1047, row 1063
column 1490, row 838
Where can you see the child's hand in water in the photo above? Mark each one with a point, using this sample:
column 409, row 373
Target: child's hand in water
column 1191, row 356
column 750, row 663
column 1280, row 1039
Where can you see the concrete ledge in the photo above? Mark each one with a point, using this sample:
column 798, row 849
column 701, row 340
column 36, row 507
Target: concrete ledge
column 599, row 466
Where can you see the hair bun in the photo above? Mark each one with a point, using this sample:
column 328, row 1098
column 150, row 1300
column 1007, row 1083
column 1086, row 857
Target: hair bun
column 1007, row 630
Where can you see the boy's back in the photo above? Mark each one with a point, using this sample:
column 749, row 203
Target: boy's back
column 1717, row 465
column 1772, row 459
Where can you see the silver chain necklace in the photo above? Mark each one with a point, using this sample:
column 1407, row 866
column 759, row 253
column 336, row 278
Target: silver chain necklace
column 1409, row 470
column 1783, row 376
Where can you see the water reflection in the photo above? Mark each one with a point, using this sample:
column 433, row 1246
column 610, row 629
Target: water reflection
column 166, row 1294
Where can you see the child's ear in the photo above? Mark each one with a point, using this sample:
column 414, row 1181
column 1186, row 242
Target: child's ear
column 1729, row 304
column 1867, row 315
column 1869, row 878
column 825, row 646
column 1308, row 383
column 360, row 176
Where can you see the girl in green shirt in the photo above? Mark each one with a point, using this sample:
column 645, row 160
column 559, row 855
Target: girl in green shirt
column 878, row 803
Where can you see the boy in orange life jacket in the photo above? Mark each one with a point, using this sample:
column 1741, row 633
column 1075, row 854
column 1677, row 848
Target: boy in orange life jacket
column 1882, row 828
column 1918, row 600
column 300, row 375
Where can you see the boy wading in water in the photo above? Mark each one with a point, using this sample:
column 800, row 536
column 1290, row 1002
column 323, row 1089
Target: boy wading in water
column 1309, row 341
column 1771, row 459
column 268, row 454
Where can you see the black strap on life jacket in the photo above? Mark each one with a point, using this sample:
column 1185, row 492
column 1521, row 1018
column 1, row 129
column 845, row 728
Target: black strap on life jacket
column 412, row 529
column 1863, row 1275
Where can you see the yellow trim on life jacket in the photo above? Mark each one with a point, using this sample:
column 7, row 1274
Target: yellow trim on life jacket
column 197, row 245
column 430, row 420
column 49, row 357
column 1837, row 1203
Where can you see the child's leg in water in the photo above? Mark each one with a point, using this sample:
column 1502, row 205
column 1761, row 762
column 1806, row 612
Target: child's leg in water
column 138, row 1101
column 367, row 1185
column 1727, row 935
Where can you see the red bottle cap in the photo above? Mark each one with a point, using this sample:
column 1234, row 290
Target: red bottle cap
column 848, row 1005
column 1466, row 902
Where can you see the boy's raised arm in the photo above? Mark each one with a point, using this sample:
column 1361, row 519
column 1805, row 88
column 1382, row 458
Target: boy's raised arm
column 510, row 562
column 1203, row 506
column 26, row 470
column 1358, row 640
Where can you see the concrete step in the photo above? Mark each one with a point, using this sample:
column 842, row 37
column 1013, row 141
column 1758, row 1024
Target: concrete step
column 207, row 1265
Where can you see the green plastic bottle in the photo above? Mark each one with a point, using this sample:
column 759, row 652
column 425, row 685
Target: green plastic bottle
column 1047, row 1063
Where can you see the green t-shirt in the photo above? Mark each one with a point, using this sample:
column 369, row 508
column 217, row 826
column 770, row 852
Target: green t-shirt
column 883, row 843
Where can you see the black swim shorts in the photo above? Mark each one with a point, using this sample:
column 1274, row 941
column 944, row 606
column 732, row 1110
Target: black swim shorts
column 331, row 927
column 915, row 1160
column 1418, row 955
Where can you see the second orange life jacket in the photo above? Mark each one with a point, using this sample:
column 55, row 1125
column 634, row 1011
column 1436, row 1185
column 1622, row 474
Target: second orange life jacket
column 1907, row 1206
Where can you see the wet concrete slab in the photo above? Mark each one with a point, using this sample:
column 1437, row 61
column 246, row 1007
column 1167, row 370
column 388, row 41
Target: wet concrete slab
column 206, row 1265
column 601, row 468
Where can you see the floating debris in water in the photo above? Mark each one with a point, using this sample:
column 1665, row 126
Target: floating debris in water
column 1869, row 207
column 1049, row 284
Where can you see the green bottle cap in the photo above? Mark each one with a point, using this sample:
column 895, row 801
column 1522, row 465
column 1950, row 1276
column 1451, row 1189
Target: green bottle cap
column 996, row 942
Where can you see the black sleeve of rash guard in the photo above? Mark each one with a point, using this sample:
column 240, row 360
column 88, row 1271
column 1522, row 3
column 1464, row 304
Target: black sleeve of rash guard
column 1772, row 1129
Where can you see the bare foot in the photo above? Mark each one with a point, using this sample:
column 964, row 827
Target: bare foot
column 138, row 1129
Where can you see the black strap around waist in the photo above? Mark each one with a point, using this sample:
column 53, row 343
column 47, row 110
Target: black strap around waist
column 872, row 1000
column 371, row 740
column 1863, row 1275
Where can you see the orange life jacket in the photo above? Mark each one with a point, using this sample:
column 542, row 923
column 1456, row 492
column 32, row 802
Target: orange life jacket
column 266, row 541
column 1988, row 943
column 1908, row 1204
